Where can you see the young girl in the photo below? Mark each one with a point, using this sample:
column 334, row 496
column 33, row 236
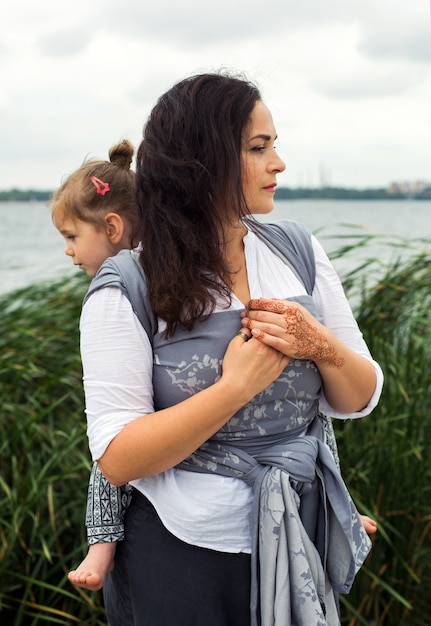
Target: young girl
column 95, row 211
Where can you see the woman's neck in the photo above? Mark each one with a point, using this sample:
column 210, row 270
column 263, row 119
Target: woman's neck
column 235, row 257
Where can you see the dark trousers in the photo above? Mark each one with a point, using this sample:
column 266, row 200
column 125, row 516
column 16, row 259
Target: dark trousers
column 159, row 580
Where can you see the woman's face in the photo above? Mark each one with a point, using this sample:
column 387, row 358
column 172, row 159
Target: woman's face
column 260, row 162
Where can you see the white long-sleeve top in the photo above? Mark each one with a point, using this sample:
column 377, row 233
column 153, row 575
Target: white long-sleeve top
column 211, row 511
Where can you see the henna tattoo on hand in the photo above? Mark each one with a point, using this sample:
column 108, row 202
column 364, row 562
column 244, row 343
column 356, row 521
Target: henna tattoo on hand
column 310, row 343
column 273, row 305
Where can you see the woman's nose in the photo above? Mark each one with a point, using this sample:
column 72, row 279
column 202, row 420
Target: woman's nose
column 278, row 165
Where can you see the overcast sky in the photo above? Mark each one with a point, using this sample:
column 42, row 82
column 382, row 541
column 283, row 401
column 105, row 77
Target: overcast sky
column 348, row 83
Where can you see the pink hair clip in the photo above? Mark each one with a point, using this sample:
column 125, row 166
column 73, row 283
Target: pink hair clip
column 101, row 187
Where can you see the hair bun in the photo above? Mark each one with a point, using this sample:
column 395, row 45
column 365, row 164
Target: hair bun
column 121, row 154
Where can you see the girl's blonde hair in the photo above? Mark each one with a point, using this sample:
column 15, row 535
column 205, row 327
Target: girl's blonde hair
column 98, row 187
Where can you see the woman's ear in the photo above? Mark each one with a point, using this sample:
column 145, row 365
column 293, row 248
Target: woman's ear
column 114, row 227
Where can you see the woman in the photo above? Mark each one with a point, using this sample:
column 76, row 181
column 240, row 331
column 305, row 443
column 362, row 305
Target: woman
column 236, row 420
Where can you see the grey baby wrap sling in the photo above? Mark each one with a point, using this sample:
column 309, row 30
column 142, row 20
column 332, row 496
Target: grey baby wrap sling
column 308, row 540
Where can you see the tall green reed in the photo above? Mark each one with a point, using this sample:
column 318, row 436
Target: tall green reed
column 44, row 458
column 386, row 457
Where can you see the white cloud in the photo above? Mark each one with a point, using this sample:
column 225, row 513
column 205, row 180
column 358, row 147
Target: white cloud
column 67, row 42
column 349, row 84
column 397, row 35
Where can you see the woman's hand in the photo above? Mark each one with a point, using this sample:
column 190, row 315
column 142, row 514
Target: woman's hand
column 288, row 327
column 250, row 365
column 349, row 379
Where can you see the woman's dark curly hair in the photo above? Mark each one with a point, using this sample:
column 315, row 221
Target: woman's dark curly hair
column 188, row 188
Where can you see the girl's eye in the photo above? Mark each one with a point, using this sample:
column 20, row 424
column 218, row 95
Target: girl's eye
column 71, row 237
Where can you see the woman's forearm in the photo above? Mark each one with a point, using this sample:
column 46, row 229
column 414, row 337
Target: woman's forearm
column 349, row 379
column 156, row 442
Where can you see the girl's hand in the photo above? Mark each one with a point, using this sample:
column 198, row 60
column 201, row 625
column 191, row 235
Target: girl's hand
column 288, row 327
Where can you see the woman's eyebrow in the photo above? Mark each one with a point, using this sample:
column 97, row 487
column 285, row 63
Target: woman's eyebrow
column 262, row 136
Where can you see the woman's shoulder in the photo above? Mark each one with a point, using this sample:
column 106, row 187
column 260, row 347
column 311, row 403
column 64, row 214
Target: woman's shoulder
column 292, row 242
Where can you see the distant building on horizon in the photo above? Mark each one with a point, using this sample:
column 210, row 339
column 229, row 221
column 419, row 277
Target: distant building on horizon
column 408, row 188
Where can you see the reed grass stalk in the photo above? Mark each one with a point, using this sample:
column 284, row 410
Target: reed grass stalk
column 44, row 458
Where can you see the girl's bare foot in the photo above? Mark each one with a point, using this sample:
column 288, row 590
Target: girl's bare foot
column 369, row 524
column 91, row 573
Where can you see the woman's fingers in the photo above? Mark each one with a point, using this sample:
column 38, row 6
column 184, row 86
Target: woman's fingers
column 288, row 327
column 244, row 334
column 251, row 364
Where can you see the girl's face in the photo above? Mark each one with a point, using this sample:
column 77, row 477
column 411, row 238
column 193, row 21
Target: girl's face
column 260, row 162
column 88, row 246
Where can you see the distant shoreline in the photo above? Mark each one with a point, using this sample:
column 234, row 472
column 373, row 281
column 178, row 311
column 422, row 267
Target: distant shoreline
column 283, row 193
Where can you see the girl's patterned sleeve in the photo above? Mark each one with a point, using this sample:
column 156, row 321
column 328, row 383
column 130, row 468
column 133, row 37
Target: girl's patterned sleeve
column 106, row 506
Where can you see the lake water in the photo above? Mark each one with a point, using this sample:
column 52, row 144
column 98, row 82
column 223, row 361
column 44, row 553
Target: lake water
column 31, row 249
